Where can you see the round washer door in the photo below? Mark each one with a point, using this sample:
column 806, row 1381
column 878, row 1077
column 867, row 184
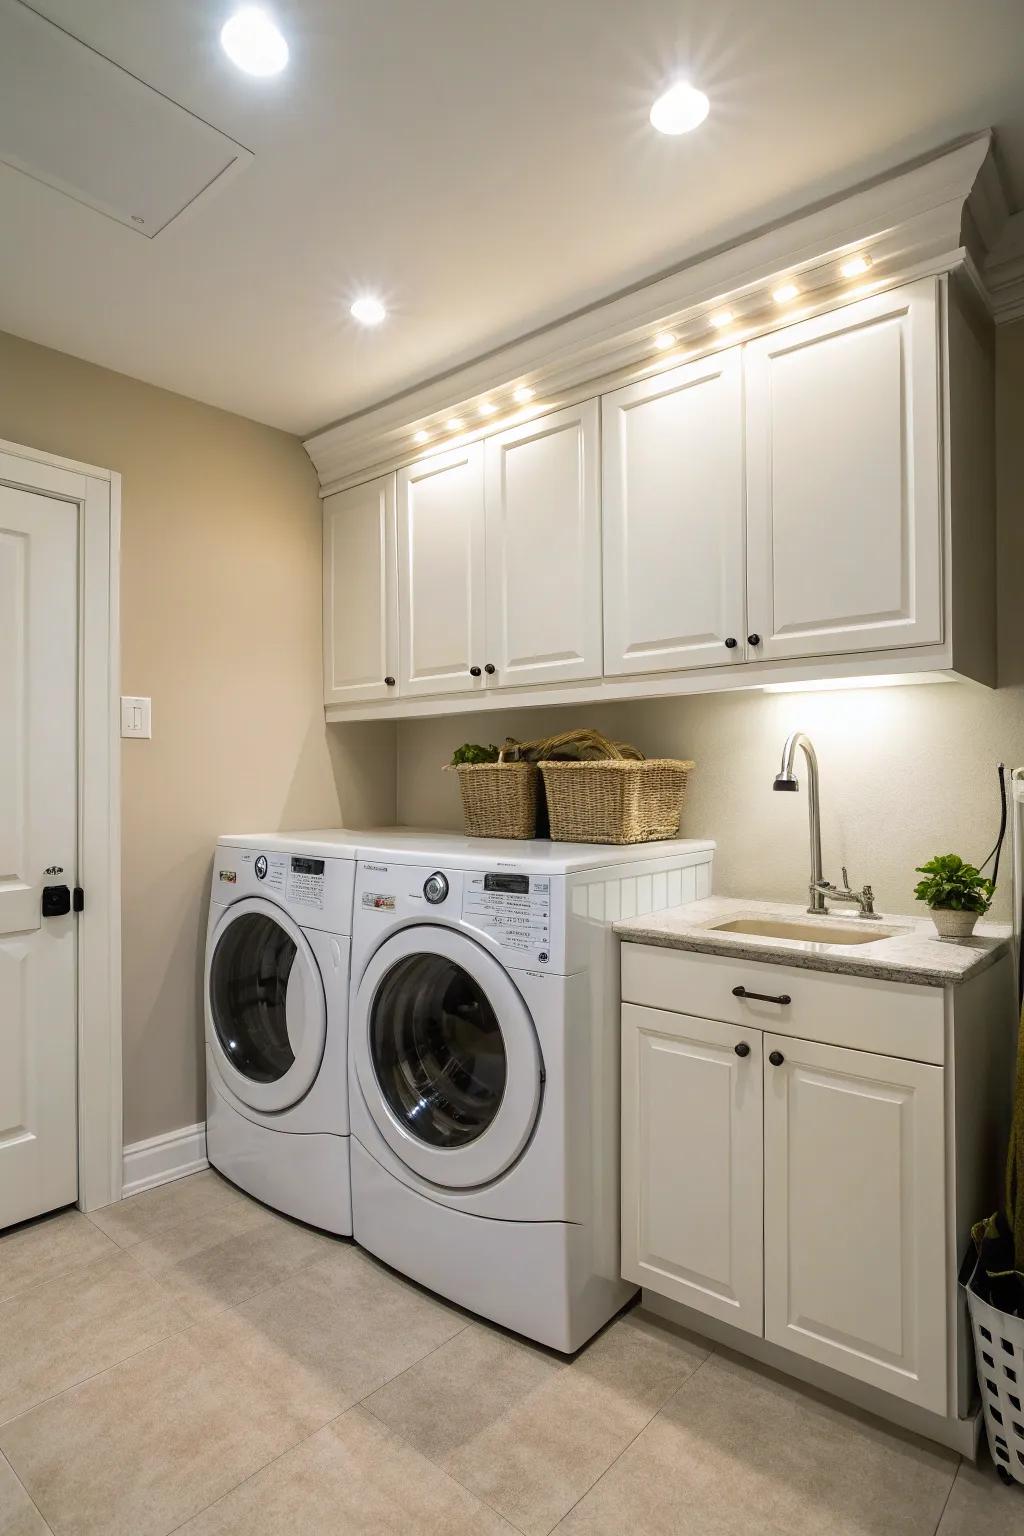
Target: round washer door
column 446, row 1056
column 266, row 1014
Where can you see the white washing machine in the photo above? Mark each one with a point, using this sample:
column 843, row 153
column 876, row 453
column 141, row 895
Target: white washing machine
column 484, row 1082
column 277, row 983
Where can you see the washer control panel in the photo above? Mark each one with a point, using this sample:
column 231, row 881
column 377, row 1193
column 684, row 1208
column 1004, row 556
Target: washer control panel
column 435, row 888
column 514, row 910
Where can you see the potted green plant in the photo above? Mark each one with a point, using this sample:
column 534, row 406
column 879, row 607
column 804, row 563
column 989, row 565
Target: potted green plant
column 957, row 894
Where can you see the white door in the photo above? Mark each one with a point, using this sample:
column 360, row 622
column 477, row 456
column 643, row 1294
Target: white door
column 691, row 1162
column 38, row 847
column 543, row 495
column 854, row 1227
column 844, row 488
column 673, row 519
column 361, row 594
column 441, row 573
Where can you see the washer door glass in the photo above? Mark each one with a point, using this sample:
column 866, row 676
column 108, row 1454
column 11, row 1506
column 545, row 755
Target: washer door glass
column 265, row 1006
column 249, row 977
column 437, row 1050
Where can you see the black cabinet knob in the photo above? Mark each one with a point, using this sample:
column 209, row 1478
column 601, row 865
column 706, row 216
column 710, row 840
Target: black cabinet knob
column 753, row 639
column 743, row 1049
column 474, row 671
column 730, row 643
column 390, row 682
column 776, row 1058
column 490, row 669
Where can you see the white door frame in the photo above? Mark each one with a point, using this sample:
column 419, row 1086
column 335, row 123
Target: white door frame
column 97, row 494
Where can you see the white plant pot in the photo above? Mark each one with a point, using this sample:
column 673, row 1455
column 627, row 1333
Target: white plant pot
column 953, row 925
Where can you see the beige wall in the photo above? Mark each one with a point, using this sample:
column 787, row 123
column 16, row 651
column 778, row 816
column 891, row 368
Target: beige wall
column 906, row 772
column 221, row 625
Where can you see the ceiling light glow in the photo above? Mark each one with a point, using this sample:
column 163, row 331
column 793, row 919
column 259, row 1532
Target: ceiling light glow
column 368, row 310
column 664, row 340
column 454, row 424
column 487, row 408
column 523, row 395
column 785, row 293
column 856, row 266
column 680, row 109
column 721, row 318
column 252, row 41
column 421, row 436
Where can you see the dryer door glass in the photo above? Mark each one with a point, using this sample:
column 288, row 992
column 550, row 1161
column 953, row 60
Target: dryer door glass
column 250, row 982
column 437, row 1050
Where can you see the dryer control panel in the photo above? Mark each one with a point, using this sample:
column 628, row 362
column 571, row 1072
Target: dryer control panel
column 514, row 910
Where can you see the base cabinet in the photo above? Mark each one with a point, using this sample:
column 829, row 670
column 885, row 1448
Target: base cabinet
column 854, row 1215
column 793, row 1189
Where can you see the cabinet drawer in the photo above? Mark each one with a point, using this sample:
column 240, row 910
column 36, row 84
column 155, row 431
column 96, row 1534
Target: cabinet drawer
column 889, row 1018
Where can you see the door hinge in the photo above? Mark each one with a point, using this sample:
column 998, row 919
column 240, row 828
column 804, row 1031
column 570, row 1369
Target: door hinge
column 78, row 899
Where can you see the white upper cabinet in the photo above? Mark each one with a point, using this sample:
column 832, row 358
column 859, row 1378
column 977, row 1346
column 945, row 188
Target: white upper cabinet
column 855, row 1238
column 691, row 1162
column 844, row 524
column 673, row 519
column 360, row 593
column 544, row 549
column 441, row 573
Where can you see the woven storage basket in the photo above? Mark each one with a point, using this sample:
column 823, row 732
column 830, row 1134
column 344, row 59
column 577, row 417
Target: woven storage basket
column 498, row 799
column 999, row 1351
column 617, row 797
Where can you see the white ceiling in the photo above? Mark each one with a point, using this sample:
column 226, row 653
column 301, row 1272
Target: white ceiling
column 486, row 168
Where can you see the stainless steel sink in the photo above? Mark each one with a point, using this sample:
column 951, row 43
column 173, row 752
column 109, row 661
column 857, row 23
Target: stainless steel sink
column 807, row 933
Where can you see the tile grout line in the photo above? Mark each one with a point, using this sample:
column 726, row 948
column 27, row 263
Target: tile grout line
column 949, row 1495
column 681, row 1387
column 21, row 1485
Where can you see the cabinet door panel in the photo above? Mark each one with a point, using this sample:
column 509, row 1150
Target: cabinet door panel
column 844, row 524
column 441, row 572
column 360, row 593
column 673, row 519
column 544, row 549
column 691, row 1162
column 855, row 1260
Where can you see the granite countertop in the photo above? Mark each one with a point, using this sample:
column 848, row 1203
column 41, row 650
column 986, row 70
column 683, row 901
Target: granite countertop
column 907, row 948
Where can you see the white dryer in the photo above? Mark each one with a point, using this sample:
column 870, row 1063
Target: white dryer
column 276, row 987
column 484, row 1084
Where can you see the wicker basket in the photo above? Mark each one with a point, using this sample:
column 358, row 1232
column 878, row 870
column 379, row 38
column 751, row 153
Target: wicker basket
column 498, row 799
column 614, row 798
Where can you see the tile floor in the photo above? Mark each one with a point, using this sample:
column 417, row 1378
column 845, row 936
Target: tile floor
column 188, row 1361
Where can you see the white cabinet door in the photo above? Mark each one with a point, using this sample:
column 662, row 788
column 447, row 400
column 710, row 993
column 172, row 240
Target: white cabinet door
column 673, row 519
column 441, row 573
column 38, row 831
column 360, row 593
column 543, row 493
column 854, row 1230
column 844, row 499
column 692, row 1162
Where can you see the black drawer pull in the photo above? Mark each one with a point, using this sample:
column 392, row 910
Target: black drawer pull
column 743, row 1049
column 776, row 1058
column 762, row 997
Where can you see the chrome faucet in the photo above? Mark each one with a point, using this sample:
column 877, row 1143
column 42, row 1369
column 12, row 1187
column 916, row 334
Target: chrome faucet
column 819, row 888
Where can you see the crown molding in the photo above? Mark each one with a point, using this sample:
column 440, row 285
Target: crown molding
column 914, row 220
column 1004, row 272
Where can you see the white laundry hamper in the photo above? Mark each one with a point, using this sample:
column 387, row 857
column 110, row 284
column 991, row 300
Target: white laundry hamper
column 999, row 1351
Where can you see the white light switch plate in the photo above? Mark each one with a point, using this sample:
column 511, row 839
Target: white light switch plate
column 137, row 717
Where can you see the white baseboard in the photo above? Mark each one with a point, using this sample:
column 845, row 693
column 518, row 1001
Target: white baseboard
column 163, row 1158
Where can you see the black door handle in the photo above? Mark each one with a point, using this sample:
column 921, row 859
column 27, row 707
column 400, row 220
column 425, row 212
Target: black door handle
column 389, row 682
column 753, row 639
column 730, row 642
column 474, row 671
column 776, row 1058
column 762, row 997
column 743, row 1049
column 490, row 669
column 56, row 900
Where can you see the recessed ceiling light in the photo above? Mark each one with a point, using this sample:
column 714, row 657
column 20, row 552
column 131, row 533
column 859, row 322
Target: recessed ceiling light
column 368, row 310
column 721, row 318
column 664, row 340
column 785, row 293
column 856, row 266
column 681, row 109
column 487, row 408
column 523, row 394
column 252, row 41
column 454, row 424
column 421, row 436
